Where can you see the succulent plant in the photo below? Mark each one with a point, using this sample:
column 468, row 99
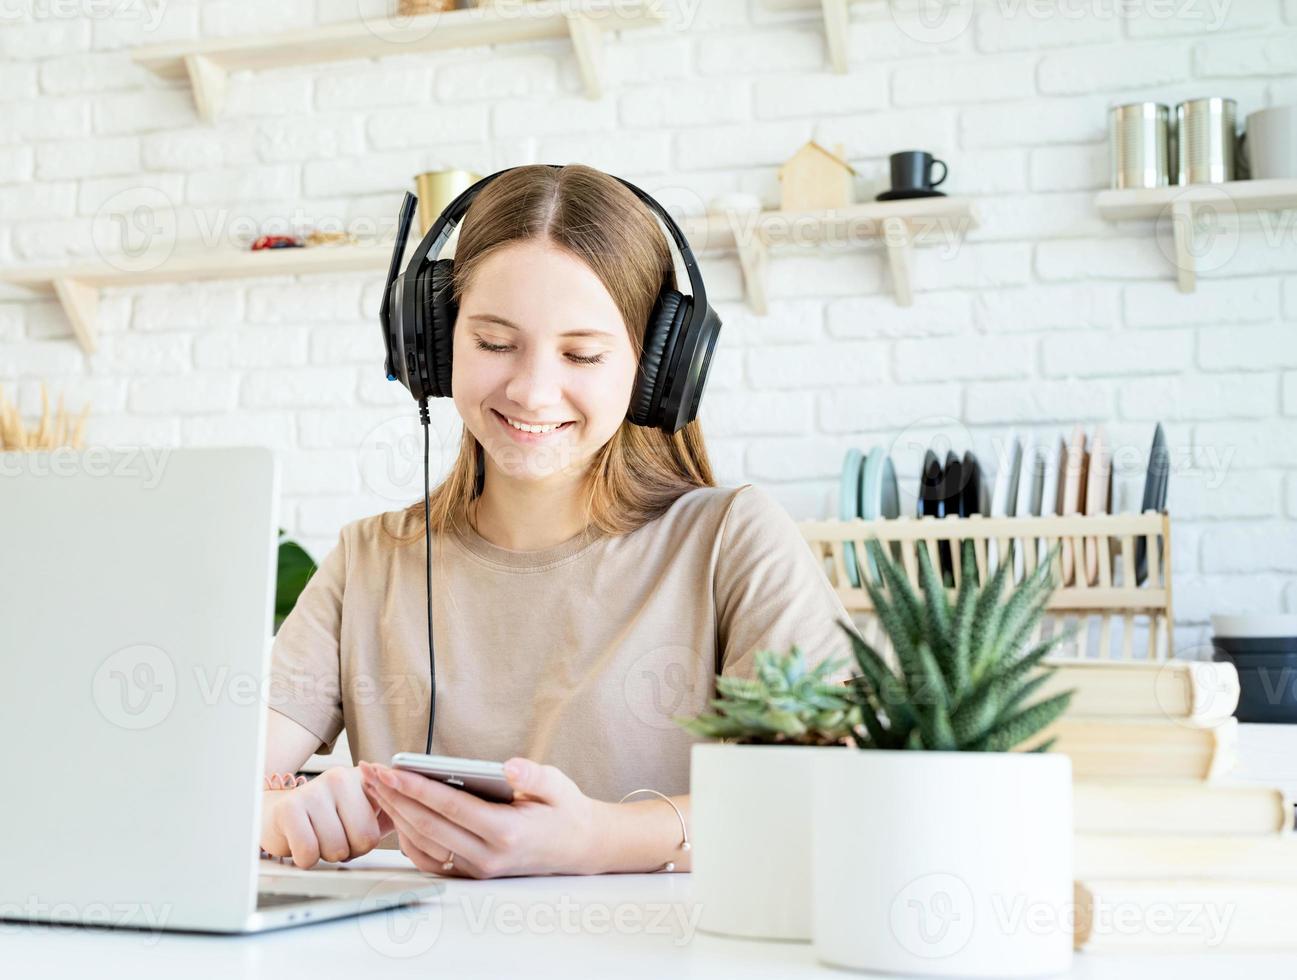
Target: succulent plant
column 964, row 678
column 784, row 704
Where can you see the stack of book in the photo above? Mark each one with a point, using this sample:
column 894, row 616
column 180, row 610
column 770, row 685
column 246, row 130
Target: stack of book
column 1170, row 850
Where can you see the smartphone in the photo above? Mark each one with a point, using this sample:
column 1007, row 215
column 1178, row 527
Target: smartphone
column 485, row 780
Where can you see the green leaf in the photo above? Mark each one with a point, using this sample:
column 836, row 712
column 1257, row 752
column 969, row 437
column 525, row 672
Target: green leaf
column 294, row 569
column 1018, row 728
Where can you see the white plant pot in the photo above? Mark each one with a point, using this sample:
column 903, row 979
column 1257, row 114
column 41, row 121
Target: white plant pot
column 750, row 817
column 943, row 863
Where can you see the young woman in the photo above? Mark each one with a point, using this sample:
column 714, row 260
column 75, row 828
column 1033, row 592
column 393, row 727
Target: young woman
column 589, row 582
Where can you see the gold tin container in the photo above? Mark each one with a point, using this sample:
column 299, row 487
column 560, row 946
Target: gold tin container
column 436, row 189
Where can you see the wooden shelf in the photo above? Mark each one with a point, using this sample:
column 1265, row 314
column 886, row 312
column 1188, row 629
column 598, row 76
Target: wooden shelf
column 1179, row 204
column 207, row 63
column 77, row 285
column 900, row 225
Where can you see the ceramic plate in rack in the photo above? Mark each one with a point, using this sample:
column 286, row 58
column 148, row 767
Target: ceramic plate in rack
column 975, row 498
column 1031, row 478
column 953, row 504
column 1073, row 477
column 1155, row 489
column 1098, row 497
column 930, row 487
column 1003, row 497
column 879, row 496
column 849, row 507
column 1052, row 464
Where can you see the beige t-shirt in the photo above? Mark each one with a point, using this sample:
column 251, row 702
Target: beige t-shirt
column 577, row 655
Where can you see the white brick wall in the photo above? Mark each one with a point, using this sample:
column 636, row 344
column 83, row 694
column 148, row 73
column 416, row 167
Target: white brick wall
column 1045, row 316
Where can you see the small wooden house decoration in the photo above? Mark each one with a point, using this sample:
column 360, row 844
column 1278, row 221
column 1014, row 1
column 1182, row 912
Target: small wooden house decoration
column 815, row 179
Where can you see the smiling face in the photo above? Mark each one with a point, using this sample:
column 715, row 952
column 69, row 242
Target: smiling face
column 539, row 339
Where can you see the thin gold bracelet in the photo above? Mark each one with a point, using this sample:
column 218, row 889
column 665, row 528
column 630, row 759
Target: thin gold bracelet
column 684, row 831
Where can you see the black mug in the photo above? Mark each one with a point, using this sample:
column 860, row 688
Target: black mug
column 912, row 170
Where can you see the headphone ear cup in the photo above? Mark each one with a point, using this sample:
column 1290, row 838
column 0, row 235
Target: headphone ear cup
column 665, row 322
column 439, row 319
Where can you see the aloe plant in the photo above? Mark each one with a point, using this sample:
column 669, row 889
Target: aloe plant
column 785, row 703
column 965, row 678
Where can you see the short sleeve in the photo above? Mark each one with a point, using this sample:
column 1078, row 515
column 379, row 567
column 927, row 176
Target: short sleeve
column 771, row 591
column 305, row 665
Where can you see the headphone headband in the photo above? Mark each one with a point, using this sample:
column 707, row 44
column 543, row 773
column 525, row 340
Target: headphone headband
column 435, row 240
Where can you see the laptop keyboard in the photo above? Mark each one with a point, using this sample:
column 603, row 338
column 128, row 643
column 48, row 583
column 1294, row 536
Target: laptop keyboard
column 274, row 900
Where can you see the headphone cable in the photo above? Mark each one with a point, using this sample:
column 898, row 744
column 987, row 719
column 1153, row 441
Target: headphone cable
column 427, row 574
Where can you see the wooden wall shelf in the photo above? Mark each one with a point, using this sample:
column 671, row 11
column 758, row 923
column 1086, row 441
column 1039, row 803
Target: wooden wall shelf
column 77, row 285
column 1183, row 205
column 899, row 224
column 207, row 63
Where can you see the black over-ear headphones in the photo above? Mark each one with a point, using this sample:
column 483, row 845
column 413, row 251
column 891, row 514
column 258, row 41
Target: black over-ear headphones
column 418, row 319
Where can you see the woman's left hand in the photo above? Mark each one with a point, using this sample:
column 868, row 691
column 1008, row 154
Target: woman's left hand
column 551, row 827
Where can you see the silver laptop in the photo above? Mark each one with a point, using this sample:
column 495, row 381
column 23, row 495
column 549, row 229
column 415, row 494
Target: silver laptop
column 136, row 608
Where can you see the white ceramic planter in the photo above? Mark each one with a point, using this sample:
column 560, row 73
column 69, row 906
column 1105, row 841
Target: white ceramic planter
column 750, row 819
column 943, row 863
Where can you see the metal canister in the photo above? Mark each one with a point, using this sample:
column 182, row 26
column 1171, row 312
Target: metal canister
column 436, row 189
column 1207, row 140
column 1139, row 145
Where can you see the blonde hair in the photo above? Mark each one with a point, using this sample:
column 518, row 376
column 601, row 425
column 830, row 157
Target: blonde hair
column 640, row 472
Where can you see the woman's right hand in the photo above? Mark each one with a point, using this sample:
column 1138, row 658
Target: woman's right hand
column 330, row 817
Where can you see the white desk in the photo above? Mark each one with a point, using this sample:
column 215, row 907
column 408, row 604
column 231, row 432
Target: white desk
column 621, row 926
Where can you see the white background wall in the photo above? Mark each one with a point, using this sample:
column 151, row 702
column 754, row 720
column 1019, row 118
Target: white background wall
column 1044, row 316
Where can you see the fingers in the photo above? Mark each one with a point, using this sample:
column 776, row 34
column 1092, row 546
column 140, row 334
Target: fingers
column 296, row 827
column 483, row 819
column 384, row 821
column 430, row 863
column 539, row 782
column 328, row 828
column 357, row 814
column 431, row 831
